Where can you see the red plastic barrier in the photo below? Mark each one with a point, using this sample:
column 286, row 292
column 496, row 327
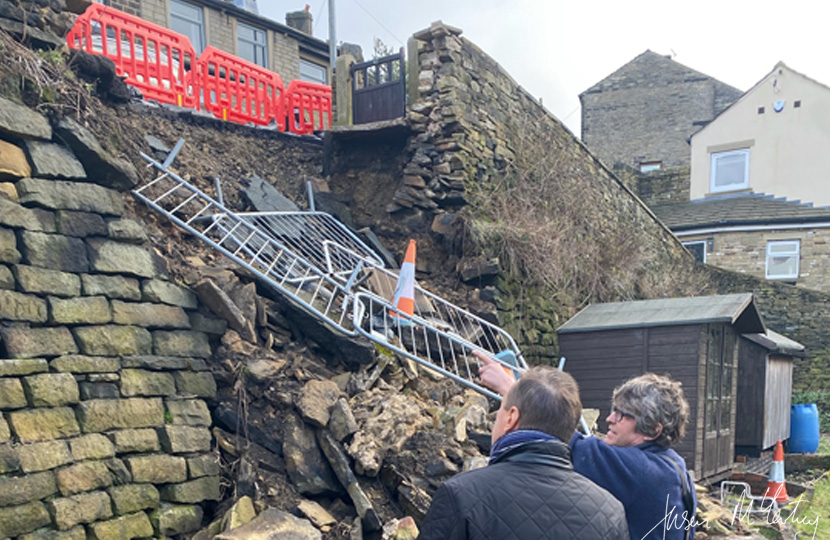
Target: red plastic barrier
column 154, row 59
column 307, row 107
column 238, row 90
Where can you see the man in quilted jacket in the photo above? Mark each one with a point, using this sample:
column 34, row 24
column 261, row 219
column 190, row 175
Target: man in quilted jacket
column 529, row 490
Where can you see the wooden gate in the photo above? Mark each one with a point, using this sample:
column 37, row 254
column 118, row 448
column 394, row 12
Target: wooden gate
column 379, row 89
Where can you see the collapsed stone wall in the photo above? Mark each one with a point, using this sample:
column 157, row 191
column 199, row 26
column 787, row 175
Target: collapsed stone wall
column 104, row 422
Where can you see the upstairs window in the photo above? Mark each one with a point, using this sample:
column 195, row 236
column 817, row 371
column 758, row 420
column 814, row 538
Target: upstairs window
column 730, row 170
column 698, row 249
column 311, row 72
column 782, row 259
column 188, row 19
column 251, row 44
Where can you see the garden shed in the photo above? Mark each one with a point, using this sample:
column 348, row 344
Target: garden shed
column 695, row 340
column 765, row 381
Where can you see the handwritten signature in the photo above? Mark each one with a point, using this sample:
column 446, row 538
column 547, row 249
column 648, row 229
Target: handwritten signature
column 744, row 509
column 676, row 521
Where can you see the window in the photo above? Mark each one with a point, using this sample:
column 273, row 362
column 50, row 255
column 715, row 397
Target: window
column 251, row 44
column 651, row 166
column 187, row 19
column 698, row 249
column 782, row 259
column 311, row 72
column 730, row 170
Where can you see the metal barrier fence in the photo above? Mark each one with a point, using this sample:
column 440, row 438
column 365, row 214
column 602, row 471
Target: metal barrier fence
column 164, row 66
column 154, row 59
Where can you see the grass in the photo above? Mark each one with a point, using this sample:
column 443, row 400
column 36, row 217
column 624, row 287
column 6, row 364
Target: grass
column 819, row 507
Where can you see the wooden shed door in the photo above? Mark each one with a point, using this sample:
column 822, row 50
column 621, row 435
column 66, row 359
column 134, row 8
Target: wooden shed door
column 718, row 440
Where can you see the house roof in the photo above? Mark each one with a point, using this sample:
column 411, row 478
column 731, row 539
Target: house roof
column 639, row 71
column 736, row 309
column 744, row 209
column 776, row 343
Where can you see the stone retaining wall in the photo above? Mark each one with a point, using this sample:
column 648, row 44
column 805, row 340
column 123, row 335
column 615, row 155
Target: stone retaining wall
column 104, row 385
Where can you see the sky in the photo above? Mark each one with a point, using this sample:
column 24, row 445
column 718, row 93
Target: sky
column 557, row 49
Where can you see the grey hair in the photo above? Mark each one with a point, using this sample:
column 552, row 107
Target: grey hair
column 655, row 401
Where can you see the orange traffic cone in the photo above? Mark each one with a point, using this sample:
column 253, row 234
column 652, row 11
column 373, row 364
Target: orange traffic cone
column 776, row 485
column 404, row 299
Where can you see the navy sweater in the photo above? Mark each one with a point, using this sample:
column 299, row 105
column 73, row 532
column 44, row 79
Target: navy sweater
column 641, row 479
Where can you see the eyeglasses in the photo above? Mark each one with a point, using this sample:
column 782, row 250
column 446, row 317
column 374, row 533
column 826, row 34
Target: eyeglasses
column 618, row 414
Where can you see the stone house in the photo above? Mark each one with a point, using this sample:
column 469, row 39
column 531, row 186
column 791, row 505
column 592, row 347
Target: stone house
column 641, row 116
column 287, row 49
column 758, row 235
column 773, row 140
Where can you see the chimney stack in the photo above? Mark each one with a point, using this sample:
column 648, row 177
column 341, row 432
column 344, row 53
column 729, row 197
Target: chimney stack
column 301, row 20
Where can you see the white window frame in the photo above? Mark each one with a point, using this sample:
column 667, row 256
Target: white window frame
column 649, row 166
column 200, row 22
column 795, row 252
column 715, row 156
column 306, row 78
column 261, row 46
column 696, row 242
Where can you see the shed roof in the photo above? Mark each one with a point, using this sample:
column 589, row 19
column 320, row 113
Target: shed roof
column 775, row 342
column 736, row 309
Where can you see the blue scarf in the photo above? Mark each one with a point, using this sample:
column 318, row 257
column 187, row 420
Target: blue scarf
column 516, row 438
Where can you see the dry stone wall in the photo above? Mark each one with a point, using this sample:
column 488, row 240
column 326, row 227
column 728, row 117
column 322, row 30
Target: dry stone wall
column 104, row 384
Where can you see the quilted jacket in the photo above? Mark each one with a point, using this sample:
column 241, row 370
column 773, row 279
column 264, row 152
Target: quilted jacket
column 528, row 493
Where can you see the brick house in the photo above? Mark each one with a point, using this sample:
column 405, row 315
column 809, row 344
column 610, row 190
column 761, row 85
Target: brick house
column 758, row 235
column 287, row 49
column 641, row 116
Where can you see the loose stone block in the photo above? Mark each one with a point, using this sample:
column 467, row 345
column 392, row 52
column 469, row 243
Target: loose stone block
column 17, row 520
column 24, row 366
column 188, row 412
column 181, row 343
column 54, row 251
column 44, row 281
column 127, row 230
column 195, row 383
column 19, row 490
column 82, row 508
column 32, row 342
column 22, row 121
column 157, row 468
column 8, row 247
column 156, row 290
column 75, row 533
column 111, row 257
column 184, row 439
column 51, row 389
column 36, row 425
column 15, row 306
column 134, row 497
column 171, row 519
column 76, row 363
column 43, row 456
column 194, row 491
column 80, row 224
column 122, row 528
column 9, row 461
column 62, row 195
column 50, row 160
column 113, row 340
column 209, row 325
column 91, row 390
column 156, row 363
column 98, row 415
column 111, row 286
column 82, row 477
column 6, row 278
column 149, row 315
column 82, row 310
column 136, row 440
column 16, row 216
column 139, row 382
column 204, row 465
column 11, row 394
column 92, row 446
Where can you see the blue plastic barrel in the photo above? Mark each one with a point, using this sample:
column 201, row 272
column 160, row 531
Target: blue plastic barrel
column 804, row 433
